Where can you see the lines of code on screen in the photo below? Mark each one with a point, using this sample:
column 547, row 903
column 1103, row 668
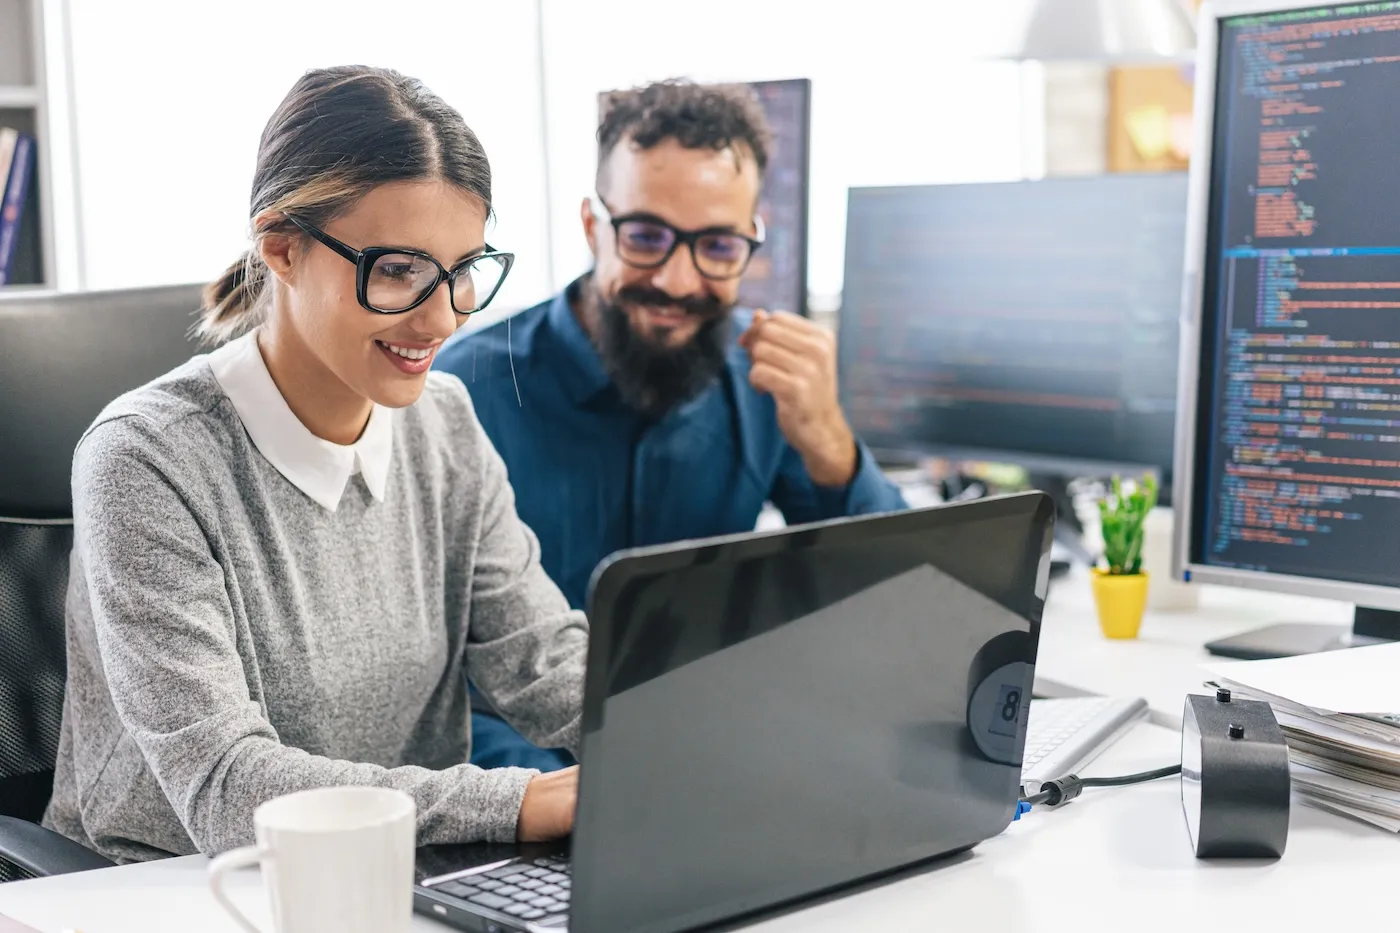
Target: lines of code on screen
column 1025, row 319
column 777, row 277
column 1303, row 298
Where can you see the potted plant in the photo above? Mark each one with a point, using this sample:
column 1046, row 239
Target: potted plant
column 1120, row 585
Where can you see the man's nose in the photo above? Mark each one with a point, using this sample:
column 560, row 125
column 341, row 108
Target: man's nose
column 678, row 275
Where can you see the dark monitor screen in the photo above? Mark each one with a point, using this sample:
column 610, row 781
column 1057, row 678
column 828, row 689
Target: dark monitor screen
column 777, row 275
column 1030, row 322
column 1297, row 437
column 63, row 357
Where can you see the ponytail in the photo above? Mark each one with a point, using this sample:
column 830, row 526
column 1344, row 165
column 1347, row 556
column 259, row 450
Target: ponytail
column 233, row 304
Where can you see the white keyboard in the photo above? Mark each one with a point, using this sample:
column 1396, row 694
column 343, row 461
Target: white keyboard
column 1063, row 736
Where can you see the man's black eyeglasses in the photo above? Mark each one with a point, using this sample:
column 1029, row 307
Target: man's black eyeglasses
column 392, row 280
column 645, row 241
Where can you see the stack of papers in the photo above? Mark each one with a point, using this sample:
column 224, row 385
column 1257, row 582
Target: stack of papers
column 1340, row 712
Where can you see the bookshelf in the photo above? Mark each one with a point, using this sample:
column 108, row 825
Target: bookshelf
column 24, row 107
column 18, row 97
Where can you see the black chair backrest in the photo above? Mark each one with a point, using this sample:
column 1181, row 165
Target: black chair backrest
column 63, row 357
column 33, row 661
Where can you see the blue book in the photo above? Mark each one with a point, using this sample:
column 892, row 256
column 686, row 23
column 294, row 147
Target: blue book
column 12, row 206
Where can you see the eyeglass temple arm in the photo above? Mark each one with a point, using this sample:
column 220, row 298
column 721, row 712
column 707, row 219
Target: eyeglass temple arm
column 330, row 242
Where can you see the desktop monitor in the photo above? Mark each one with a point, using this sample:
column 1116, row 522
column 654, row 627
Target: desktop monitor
column 1288, row 470
column 777, row 276
column 63, row 357
column 1032, row 323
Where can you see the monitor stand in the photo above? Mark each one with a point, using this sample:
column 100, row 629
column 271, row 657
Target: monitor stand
column 1290, row 639
column 1068, row 530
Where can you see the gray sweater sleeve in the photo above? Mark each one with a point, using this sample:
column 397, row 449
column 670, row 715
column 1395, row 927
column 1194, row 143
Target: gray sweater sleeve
column 169, row 651
column 526, row 650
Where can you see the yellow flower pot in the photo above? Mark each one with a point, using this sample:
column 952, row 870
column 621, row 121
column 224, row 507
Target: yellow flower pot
column 1121, row 601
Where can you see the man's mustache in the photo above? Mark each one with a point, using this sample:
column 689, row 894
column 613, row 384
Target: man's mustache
column 701, row 306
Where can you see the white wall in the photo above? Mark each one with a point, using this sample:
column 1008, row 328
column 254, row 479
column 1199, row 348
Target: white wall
column 899, row 94
column 170, row 97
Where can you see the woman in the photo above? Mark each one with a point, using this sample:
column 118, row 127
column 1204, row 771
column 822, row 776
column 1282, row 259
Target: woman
column 289, row 552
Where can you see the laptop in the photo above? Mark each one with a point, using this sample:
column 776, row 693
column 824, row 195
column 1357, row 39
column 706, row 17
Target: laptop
column 774, row 716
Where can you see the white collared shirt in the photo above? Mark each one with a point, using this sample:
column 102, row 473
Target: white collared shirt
column 315, row 466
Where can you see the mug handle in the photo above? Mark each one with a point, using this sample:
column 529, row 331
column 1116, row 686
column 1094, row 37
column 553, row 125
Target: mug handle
column 222, row 865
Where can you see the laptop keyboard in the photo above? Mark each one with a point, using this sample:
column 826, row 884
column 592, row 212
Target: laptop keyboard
column 535, row 890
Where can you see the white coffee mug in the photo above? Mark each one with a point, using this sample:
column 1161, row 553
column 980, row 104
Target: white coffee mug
column 334, row 860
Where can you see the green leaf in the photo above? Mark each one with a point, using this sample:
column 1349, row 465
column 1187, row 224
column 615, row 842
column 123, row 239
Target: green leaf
column 1123, row 517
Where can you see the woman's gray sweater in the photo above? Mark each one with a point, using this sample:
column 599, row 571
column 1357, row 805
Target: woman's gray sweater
column 230, row 640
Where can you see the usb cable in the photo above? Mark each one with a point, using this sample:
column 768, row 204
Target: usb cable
column 1062, row 790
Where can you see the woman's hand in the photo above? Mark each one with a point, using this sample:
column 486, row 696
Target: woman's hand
column 547, row 812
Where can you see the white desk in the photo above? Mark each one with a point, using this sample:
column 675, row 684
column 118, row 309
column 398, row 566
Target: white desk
column 1164, row 662
column 1116, row 858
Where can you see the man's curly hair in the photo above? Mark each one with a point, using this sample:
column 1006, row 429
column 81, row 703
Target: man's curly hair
column 697, row 116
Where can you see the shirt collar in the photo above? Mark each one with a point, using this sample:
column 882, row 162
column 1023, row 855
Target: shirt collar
column 315, row 466
column 584, row 376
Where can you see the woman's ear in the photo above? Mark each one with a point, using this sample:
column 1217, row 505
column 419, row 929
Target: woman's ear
column 278, row 250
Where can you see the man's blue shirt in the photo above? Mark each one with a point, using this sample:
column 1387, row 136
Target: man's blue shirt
column 592, row 476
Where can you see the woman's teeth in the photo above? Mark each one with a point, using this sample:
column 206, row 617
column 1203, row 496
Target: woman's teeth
column 407, row 352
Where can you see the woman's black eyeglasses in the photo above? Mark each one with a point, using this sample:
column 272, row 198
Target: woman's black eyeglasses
column 645, row 241
column 392, row 280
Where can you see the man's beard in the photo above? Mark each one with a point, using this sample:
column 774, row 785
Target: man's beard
column 654, row 379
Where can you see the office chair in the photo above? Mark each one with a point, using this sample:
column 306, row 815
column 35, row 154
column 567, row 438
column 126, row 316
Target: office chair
column 33, row 581
column 63, row 356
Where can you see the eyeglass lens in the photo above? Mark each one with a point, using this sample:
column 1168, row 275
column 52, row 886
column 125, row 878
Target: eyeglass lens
column 399, row 280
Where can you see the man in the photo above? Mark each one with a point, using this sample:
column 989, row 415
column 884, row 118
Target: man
column 638, row 406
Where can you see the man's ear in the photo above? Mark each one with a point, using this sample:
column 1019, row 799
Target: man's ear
column 590, row 225
column 279, row 251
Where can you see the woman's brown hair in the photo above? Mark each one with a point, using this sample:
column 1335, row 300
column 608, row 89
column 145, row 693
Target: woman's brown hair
column 339, row 133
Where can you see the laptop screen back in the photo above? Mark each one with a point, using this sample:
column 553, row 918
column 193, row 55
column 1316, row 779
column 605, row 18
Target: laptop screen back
column 773, row 717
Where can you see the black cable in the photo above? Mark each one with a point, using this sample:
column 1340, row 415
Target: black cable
column 1138, row 778
column 1062, row 790
column 1037, row 799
